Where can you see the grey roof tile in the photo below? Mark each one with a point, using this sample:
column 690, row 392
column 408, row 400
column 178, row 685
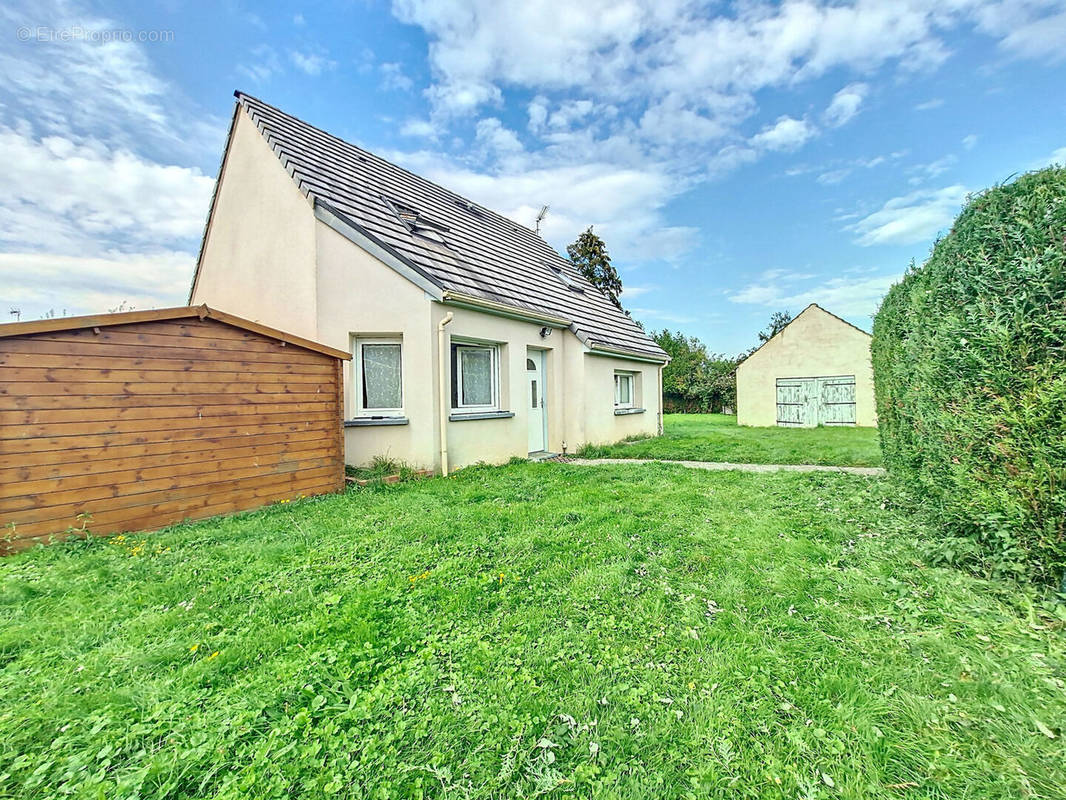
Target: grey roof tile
column 482, row 253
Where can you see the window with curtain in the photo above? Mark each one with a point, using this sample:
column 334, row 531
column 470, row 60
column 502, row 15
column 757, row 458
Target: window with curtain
column 623, row 390
column 475, row 377
column 379, row 377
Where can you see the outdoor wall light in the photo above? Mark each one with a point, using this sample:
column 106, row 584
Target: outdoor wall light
column 545, row 332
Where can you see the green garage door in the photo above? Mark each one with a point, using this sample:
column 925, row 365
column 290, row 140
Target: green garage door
column 809, row 402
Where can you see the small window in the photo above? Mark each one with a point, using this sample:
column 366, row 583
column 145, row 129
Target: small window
column 416, row 223
column 475, row 377
column 378, row 377
column 531, row 365
column 567, row 279
column 623, row 390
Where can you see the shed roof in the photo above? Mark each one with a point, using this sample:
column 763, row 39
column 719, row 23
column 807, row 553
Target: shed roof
column 453, row 243
column 11, row 329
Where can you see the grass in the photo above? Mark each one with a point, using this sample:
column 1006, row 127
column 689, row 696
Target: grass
column 717, row 437
column 633, row 631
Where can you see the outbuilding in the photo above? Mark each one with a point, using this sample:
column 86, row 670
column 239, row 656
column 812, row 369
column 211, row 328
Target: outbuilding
column 814, row 371
column 134, row 421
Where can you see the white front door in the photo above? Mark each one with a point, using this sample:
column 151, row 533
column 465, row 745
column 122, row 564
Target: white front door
column 535, row 400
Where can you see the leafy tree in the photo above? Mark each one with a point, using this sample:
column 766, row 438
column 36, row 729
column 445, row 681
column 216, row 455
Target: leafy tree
column 589, row 254
column 778, row 320
column 695, row 380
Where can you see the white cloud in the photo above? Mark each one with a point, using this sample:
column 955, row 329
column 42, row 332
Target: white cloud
column 1026, row 28
column 105, row 90
column 785, row 134
column 311, row 63
column 912, row 218
column 929, row 105
column 1058, row 157
column 854, row 298
column 68, row 196
column 393, row 77
column 833, row 176
column 970, row 141
column 101, row 204
column 663, row 88
column 493, row 134
column 623, row 203
column 39, row 283
column 419, row 128
column 262, row 65
column 538, row 113
column 845, row 104
column 920, row 173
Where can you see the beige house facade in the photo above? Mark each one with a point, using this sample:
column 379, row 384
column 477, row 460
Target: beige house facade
column 472, row 340
column 815, row 371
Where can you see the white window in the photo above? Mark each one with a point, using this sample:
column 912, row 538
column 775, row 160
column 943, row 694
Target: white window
column 623, row 390
column 378, row 378
column 475, row 377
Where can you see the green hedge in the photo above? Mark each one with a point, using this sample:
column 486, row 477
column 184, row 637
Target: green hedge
column 970, row 377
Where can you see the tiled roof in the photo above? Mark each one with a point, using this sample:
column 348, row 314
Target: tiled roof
column 457, row 244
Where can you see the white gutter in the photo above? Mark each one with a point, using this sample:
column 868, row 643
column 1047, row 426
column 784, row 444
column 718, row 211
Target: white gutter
column 442, row 355
column 614, row 352
column 503, row 310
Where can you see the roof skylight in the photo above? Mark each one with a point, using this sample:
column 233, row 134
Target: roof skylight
column 566, row 279
column 417, row 224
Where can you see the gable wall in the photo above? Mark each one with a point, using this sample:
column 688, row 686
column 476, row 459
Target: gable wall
column 815, row 344
column 259, row 254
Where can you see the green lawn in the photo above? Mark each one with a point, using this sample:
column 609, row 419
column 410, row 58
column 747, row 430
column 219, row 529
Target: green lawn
column 633, row 631
column 717, row 437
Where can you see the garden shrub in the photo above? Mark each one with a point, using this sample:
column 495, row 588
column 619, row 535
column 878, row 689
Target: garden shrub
column 970, row 378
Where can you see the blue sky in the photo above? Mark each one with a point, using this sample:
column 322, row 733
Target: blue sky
column 737, row 158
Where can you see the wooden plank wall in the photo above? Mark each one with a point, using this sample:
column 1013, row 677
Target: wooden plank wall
column 143, row 425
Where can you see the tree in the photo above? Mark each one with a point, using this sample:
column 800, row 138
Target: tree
column 695, row 380
column 778, row 320
column 589, row 254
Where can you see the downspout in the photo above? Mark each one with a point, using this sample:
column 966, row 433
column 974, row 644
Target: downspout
column 442, row 373
column 659, row 372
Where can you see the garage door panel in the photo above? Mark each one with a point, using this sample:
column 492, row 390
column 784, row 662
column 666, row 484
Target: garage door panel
column 793, row 402
column 809, row 402
column 837, row 406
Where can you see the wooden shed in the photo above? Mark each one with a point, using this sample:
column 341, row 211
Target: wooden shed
column 134, row 421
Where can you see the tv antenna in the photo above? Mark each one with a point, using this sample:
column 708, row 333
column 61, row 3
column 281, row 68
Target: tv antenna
column 540, row 218
column 16, row 313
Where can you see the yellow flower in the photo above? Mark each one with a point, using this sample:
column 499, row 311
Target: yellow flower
column 194, row 648
column 211, row 656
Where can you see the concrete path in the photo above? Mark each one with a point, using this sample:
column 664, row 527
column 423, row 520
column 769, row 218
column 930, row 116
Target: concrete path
column 717, row 465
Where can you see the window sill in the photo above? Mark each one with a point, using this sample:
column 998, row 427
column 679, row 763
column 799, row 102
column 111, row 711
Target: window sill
column 366, row 422
column 621, row 412
column 459, row 416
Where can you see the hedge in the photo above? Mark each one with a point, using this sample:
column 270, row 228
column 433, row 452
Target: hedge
column 970, row 379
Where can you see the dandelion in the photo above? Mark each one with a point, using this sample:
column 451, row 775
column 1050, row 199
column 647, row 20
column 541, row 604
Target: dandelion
column 194, row 648
column 213, row 655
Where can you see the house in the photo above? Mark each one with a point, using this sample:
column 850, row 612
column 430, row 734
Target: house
column 814, row 371
column 134, row 421
column 473, row 340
